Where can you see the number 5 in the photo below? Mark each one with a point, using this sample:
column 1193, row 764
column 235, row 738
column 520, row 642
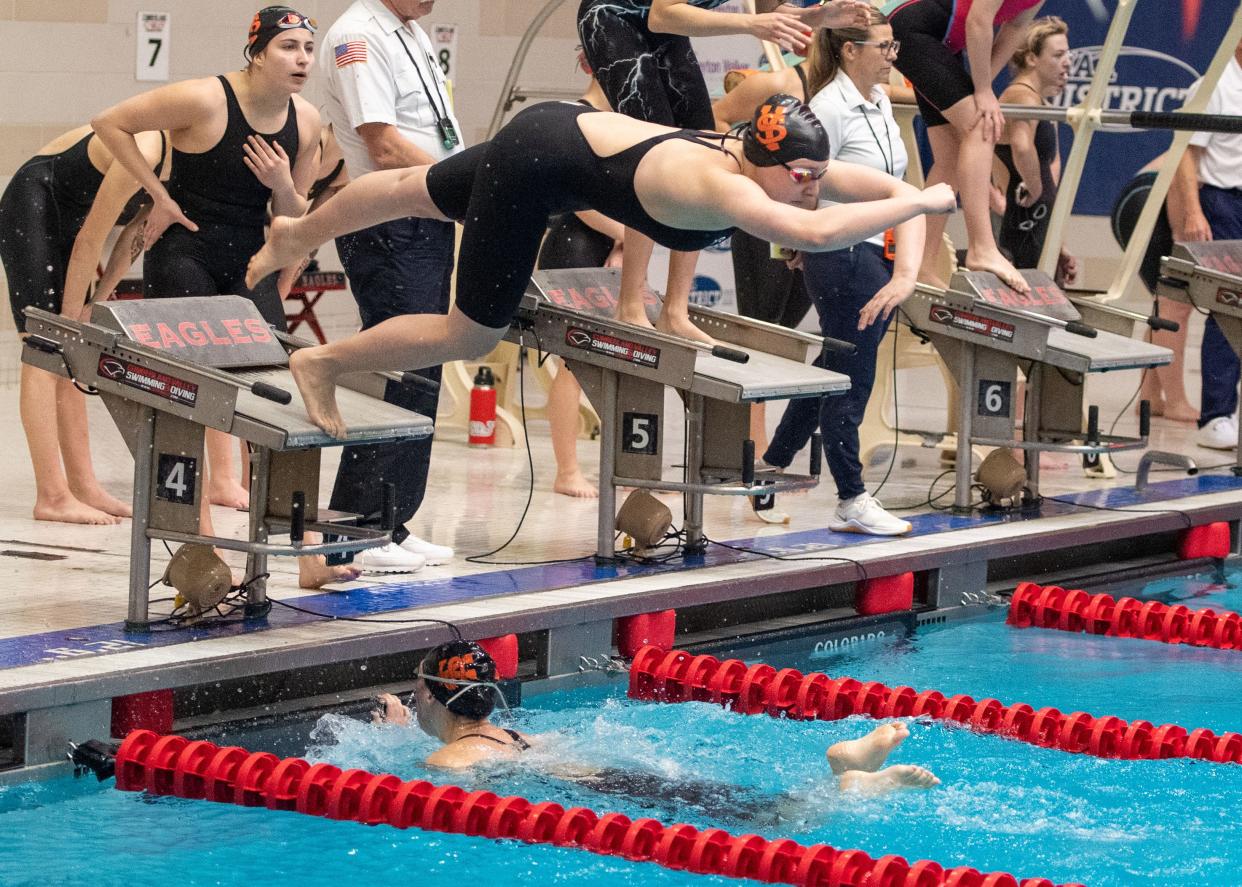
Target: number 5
column 640, row 434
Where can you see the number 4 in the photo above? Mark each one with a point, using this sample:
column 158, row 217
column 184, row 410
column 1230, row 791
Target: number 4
column 176, row 480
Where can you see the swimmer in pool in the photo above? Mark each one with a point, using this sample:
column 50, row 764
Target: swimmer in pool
column 456, row 692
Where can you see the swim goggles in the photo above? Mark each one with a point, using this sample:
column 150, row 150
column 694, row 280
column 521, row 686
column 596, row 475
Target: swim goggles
column 468, row 686
column 802, row 175
column 297, row 20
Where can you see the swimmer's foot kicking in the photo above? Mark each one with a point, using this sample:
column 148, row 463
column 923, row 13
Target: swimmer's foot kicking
column 857, row 763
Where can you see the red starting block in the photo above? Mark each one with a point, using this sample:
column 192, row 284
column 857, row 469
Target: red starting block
column 309, row 289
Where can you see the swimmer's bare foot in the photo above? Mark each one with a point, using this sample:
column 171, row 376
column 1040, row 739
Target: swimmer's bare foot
column 68, row 510
column 317, row 384
column 1001, row 267
column 283, row 248
column 635, row 314
column 870, row 752
column 574, row 483
column 891, row 778
column 98, row 497
column 928, row 278
column 681, row 325
column 1179, row 412
column 228, row 493
column 314, row 572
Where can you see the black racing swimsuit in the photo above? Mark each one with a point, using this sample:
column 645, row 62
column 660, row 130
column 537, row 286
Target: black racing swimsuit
column 1023, row 227
column 41, row 213
column 223, row 197
column 540, row 164
column 518, row 742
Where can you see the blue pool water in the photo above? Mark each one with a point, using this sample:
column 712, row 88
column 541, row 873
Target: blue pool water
column 1003, row 805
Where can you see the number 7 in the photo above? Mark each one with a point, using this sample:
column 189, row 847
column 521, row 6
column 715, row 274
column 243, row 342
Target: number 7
column 158, row 41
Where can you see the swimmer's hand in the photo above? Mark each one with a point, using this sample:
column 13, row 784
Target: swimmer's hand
column 883, row 303
column 164, row 213
column 833, row 14
column 939, row 200
column 389, row 710
column 785, row 30
column 269, row 163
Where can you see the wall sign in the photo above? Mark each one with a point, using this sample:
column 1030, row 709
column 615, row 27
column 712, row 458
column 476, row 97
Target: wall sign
column 153, row 39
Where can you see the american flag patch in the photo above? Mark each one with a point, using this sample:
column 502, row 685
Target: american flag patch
column 348, row 53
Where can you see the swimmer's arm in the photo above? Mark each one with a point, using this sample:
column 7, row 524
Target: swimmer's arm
column 289, row 199
column 125, row 252
column 1009, row 37
column 597, row 221
column 679, row 17
column 1185, row 212
column 1020, row 134
column 746, row 206
column 852, row 182
column 980, row 33
column 114, row 192
column 176, row 107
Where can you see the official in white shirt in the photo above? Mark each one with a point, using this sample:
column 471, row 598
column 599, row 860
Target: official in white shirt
column 854, row 290
column 389, row 105
column 1205, row 203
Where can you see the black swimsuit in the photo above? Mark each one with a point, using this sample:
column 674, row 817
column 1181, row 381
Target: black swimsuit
column 518, row 742
column 1023, row 228
column 226, row 200
column 41, row 213
column 540, row 164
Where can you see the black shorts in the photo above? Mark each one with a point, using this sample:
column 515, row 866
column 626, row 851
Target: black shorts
column 938, row 74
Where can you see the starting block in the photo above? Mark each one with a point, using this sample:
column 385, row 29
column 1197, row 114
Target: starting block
column 169, row 369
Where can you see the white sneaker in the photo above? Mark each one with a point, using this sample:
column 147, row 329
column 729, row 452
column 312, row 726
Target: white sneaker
column 430, row 552
column 864, row 514
column 1219, row 434
column 390, row 558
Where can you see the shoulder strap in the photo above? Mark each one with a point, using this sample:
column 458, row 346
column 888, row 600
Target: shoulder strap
column 802, row 77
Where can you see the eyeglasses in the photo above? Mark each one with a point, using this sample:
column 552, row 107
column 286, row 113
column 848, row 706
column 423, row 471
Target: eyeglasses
column 886, row 47
column 297, row 20
column 802, row 175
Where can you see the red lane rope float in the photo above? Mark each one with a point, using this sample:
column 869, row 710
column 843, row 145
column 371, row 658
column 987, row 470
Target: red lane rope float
column 1049, row 606
column 172, row 765
column 760, row 688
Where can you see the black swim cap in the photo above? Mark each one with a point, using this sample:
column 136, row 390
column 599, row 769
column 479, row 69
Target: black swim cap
column 463, row 661
column 270, row 21
column 784, row 129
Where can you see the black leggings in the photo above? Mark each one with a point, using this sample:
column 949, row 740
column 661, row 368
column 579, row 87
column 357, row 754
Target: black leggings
column 937, row 73
column 36, row 239
column 210, row 262
column 654, row 77
column 766, row 288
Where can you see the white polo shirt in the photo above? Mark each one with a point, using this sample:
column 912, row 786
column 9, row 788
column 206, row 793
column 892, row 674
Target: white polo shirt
column 371, row 79
column 1222, row 155
column 860, row 130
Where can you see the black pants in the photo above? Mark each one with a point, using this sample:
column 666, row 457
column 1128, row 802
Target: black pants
column 395, row 268
column 766, row 288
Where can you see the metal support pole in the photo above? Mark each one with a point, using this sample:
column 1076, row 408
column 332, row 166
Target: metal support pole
column 506, row 91
column 965, row 423
column 1032, row 418
column 257, row 605
column 1084, row 126
column 138, row 618
column 693, row 501
column 608, row 419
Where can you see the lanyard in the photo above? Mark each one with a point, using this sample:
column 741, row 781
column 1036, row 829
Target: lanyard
column 431, row 94
column 889, row 158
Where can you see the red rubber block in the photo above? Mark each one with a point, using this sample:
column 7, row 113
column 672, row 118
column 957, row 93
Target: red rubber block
column 636, row 632
column 1208, row 540
column 887, row 594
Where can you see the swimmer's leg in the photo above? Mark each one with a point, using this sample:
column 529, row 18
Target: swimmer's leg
column 412, row 341
column 368, row 200
column 889, row 779
column 869, row 753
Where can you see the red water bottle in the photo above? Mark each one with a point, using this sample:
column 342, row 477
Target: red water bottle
column 483, row 409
